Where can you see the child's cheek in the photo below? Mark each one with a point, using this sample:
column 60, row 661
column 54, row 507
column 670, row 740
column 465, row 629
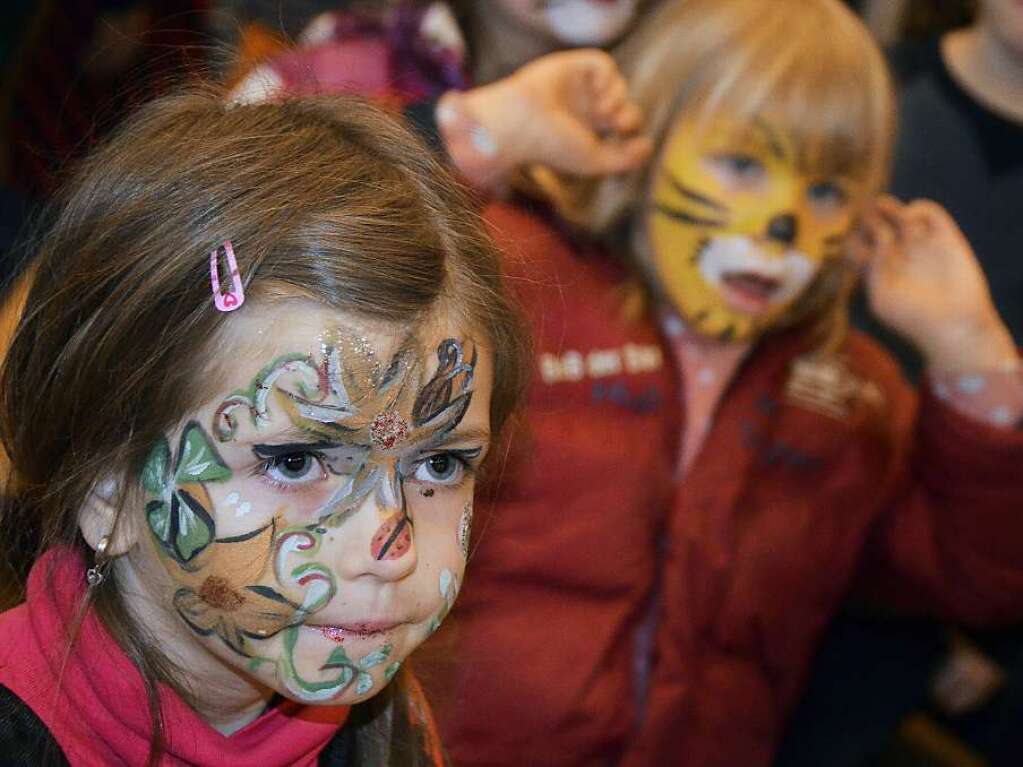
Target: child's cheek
column 443, row 518
column 249, row 502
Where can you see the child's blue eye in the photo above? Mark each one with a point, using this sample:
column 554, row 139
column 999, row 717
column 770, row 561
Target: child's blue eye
column 743, row 165
column 441, row 468
column 827, row 193
column 295, row 468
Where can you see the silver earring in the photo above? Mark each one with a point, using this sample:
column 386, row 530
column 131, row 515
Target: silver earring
column 95, row 574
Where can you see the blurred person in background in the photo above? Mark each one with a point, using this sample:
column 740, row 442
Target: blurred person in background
column 458, row 70
column 960, row 74
column 779, row 135
column 961, row 142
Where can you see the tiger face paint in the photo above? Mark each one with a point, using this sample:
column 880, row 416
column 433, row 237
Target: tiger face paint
column 303, row 515
column 737, row 229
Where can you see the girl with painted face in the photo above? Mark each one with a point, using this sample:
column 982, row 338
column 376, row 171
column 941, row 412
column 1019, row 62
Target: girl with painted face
column 260, row 365
column 807, row 462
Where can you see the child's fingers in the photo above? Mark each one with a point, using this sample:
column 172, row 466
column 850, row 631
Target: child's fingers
column 878, row 228
column 629, row 154
column 858, row 250
column 890, row 213
column 628, row 119
column 599, row 157
column 598, row 70
column 929, row 210
column 881, row 234
column 888, row 204
column 931, row 219
column 606, row 90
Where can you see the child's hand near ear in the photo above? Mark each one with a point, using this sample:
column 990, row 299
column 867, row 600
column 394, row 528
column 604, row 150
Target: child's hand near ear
column 569, row 110
column 923, row 280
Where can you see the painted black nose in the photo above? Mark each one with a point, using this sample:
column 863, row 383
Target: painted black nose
column 782, row 228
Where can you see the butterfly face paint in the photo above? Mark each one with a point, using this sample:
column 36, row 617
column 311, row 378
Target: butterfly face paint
column 328, row 580
column 737, row 229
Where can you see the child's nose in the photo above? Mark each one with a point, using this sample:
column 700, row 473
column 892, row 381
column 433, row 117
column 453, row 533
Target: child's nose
column 783, row 228
column 379, row 541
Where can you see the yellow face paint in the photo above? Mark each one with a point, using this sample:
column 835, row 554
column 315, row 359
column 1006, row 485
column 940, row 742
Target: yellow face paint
column 737, row 230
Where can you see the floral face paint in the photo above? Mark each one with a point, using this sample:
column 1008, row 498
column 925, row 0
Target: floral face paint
column 328, row 578
column 737, row 227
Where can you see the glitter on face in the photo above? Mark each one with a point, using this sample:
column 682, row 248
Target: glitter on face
column 464, row 529
column 218, row 593
column 333, row 633
column 388, row 429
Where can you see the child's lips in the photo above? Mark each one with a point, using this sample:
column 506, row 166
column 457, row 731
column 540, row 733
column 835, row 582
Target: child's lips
column 750, row 292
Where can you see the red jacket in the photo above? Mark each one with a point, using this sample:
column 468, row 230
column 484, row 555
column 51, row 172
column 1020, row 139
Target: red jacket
column 764, row 539
column 542, row 638
column 783, row 507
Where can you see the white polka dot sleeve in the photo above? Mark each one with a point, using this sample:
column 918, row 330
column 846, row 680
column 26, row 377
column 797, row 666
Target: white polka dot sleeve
column 992, row 396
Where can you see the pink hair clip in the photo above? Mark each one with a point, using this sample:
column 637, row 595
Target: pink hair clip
column 226, row 300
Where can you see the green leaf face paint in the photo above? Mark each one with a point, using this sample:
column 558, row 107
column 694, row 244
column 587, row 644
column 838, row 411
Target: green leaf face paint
column 180, row 518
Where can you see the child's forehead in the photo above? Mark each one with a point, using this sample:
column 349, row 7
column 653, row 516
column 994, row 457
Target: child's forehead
column 723, row 127
column 766, row 134
column 260, row 334
column 300, row 327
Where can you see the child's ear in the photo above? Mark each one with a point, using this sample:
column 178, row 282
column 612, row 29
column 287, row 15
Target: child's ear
column 101, row 516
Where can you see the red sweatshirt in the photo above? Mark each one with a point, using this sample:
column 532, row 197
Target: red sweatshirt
column 782, row 508
column 788, row 495
column 542, row 640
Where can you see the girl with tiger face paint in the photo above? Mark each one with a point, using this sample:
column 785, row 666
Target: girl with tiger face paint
column 804, row 455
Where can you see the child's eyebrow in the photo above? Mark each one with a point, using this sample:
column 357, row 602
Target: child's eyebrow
column 774, row 143
column 472, row 434
column 287, row 448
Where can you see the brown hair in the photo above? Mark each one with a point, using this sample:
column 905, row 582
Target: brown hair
column 812, row 62
column 326, row 199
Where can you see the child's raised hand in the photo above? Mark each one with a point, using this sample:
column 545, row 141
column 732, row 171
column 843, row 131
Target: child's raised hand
column 924, row 281
column 568, row 110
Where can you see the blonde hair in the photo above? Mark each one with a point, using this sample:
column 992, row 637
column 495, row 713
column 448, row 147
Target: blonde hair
column 811, row 63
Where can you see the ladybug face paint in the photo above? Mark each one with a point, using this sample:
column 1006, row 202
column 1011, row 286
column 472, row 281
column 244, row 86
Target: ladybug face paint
column 393, row 539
